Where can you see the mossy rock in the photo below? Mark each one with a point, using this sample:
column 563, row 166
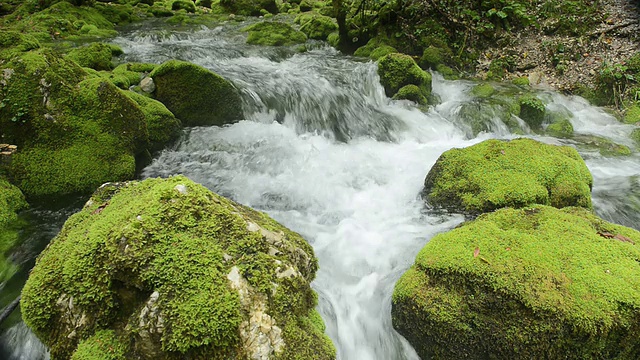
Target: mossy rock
column 96, row 56
column 486, row 115
column 398, row 70
column 249, row 7
column 632, row 115
column 411, row 92
column 72, row 134
column 316, row 26
column 532, row 283
column 13, row 41
column 166, row 269
column 186, row 5
column 495, row 174
column 432, row 57
column 521, row 81
column 375, row 49
column 484, row 90
column 103, row 345
column 532, row 111
column 635, row 136
column 196, row 95
column 604, row 146
column 162, row 125
column 273, row 33
column 11, row 202
column 560, row 129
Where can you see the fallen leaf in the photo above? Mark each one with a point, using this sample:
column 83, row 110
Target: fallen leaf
column 624, row 239
column 100, row 208
column 476, row 252
column 605, row 235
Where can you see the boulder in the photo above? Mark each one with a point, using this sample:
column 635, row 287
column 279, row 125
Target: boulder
column 316, row 26
column 517, row 173
column 532, row 111
column 162, row 125
column 196, row 95
column 532, row 283
column 398, row 70
column 72, row 134
column 11, row 201
column 96, row 56
column 273, row 33
column 166, row 269
column 249, row 7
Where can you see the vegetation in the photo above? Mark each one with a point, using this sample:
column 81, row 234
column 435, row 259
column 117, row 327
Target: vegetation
column 495, row 174
column 398, row 70
column 527, row 283
column 11, row 202
column 274, row 33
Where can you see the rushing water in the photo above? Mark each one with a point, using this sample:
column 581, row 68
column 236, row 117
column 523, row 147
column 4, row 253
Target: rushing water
column 326, row 153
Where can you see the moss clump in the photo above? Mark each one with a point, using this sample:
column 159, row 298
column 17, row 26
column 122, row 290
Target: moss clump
column 635, row 136
column 96, row 56
column 532, row 111
column 12, row 42
column 186, row 5
column 375, row 49
column 72, row 135
column 484, row 90
column 520, row 81
column 632, row 115
column 528, row 284
column 11, row 202
column 604, row 146
column 411, row 92
column 274, row 33
column 177, row 271
column 316, row 26
column 162, row 125
column 433, row 56
column 495, row 174
column 249, row 7
column 560, row 129
column 196, row 95
column 103, row 345
column 398, row 70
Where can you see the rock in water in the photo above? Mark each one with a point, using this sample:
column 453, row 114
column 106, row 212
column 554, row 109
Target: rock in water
column 495, row 174
column 166, row 269
column 196, row 95
column 534, row 283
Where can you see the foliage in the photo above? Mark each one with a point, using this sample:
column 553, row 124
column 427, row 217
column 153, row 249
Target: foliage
column 398, row 70
column 274, row 33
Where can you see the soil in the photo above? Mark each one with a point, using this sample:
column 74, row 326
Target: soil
column 565, row 63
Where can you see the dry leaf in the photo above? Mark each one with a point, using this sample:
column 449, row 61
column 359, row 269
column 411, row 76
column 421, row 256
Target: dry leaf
column 476, row 252
column 624, row 239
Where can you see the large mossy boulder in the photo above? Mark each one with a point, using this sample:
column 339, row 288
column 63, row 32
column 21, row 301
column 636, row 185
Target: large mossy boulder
column 249, row 7
column 273, row 33
column 399, row 70
column 72, row 134
column 196, row 95
column 162, row 125
column 495, row 174
column 316, row 26
column 96, row 56
column 166, row 269
column 532, row 283
column 11, row 201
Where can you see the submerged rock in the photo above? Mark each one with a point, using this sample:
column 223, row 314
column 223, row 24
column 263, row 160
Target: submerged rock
column 398, row 70
column 196, row 95
column 495, row 174
column 166, row 269
column 533, row 283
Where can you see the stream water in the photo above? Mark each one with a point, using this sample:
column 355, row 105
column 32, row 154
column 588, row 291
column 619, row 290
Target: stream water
column 326, row 153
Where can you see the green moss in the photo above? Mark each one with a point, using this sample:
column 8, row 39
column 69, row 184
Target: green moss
column 316, row 26
column 521, row 81
column 517, row 173
column 333, row 39
column 162, row 125
column 381, row 51
column 96, row 56
column 532, row 111
column 632, row 115
column 432, row 57
column 399, row 70
column 273, row 34
column 603, row 145
column 411, row 92
column 484, row 90
column 196, row 95
column 249, row 7
column 529, row 283
column 13, row 42
column 560, row 129
column 132, row 77
column 119, row 249
column 103, row 345
column 11, row 202
column 635, row 136
column 187, row 5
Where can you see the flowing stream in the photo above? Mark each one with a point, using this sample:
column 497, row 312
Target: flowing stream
column 326, row 153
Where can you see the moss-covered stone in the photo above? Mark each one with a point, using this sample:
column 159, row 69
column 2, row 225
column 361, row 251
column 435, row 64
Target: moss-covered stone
column 96, row 56
column 532, row 111
column 432, row 57
column 374, row 50
column 495, row 174
column 632, row 115
column 11, row 202
column 13, row 41
column 316, row 26
column 72, row 135
column 527, row 283
column 162, row 125
column 273, row 33
column 196, row 95
column 186, row 5
column 411, row 92
column 398, row 70
column 560, row 129
column 521, row 81
column 249, row 7
column 635, row 136
column 103, row 345
column 174, row 271
column 604, row 146
column 484, row 90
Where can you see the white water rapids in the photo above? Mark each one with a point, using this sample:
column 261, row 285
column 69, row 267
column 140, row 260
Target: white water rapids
column 327, row 154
